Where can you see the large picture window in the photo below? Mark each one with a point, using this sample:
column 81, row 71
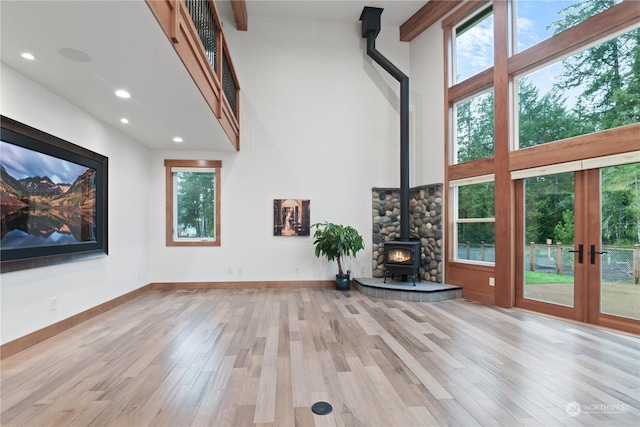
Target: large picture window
column 590, row 91
column 536, row 21
column 565, row 89
column 193, row 208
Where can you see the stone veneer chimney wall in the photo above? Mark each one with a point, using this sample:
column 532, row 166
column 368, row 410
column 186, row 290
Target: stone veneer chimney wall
column 425, row 221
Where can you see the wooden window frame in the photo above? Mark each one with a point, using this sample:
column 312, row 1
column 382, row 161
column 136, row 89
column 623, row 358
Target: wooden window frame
column 505, row 160
column 208, row 164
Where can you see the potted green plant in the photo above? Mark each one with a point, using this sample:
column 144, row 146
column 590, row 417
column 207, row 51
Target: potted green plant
column 335, row 241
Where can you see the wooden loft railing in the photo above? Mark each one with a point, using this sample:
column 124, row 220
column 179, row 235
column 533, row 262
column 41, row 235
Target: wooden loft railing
column 210, row 66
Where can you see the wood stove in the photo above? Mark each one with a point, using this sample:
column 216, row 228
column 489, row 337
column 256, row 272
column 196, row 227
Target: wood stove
column 402, row 259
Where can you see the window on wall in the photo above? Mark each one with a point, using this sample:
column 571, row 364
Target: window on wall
column 536, row 21
column 475, row 219
column 474, row 128
column 473, row 45
column 592, row 90
column 193, row 202
column 564, row 74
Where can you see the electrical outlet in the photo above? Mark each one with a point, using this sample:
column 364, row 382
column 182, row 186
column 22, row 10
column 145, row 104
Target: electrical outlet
column 53, row 304
column 239, row 270
column 230, row 270
column 492, row 281
column 297, row 270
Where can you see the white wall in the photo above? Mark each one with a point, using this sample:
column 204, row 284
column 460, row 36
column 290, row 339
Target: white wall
column 427, row 100
column 319, row 121
column 78, row 286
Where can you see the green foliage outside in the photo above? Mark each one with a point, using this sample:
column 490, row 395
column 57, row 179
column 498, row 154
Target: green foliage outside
column 474, row 132
column 549, row 207
column 604, row 83
column 476, row 201
column 621, row 205
column 546, row 278
column 196, row 204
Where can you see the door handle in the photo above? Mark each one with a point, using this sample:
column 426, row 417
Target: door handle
column 580, row 252
column 593, row 253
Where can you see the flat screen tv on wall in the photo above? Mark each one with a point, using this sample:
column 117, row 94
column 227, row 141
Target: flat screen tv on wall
column 53, row 199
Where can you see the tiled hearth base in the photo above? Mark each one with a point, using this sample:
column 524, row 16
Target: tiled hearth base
column 405, row 291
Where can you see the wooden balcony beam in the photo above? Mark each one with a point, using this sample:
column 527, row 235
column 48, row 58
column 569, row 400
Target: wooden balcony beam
column 239, row 8
column 428, row 15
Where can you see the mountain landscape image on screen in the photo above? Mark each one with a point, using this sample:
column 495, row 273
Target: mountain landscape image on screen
column 37, row 211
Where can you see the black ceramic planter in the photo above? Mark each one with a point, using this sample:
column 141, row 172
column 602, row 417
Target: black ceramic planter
column 343, row 283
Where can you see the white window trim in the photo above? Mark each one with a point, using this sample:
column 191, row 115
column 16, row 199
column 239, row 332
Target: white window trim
column 594, row 163
column 454, row 185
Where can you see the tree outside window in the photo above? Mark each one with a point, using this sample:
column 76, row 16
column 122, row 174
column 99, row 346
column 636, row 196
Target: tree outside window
column 193, row 208
column 474, row 128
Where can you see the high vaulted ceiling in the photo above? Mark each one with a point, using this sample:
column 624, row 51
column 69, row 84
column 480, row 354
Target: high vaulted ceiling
column 86, row 50
column 395, row 12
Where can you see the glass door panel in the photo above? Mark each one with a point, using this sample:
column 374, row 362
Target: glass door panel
column 620, row 234
column 549, row 237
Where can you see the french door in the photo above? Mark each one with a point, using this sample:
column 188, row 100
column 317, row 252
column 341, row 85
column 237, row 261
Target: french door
column 578, row 245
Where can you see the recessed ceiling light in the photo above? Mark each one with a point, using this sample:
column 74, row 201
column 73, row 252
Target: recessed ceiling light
column 123, row 94
column 177, row 139
column 124, row 120
column 28, row 56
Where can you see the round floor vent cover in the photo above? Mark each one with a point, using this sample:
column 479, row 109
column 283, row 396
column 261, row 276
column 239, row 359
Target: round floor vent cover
column 321, row 408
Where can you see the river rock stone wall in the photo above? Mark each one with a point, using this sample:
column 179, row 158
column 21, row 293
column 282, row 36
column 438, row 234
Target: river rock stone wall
column 425, row 208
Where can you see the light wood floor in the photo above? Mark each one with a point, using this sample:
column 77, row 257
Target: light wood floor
column 264, row 356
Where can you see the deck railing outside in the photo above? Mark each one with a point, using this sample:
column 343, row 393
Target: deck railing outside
column 618, row 263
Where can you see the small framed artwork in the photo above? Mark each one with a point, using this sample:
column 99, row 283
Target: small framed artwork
column 53, row 199
column 291, row 217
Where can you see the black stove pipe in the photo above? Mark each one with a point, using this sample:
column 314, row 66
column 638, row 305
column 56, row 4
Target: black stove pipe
column 370, row 18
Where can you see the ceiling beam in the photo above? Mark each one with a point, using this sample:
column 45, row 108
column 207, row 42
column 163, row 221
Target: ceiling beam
column 240, row 14
column 428, row 15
